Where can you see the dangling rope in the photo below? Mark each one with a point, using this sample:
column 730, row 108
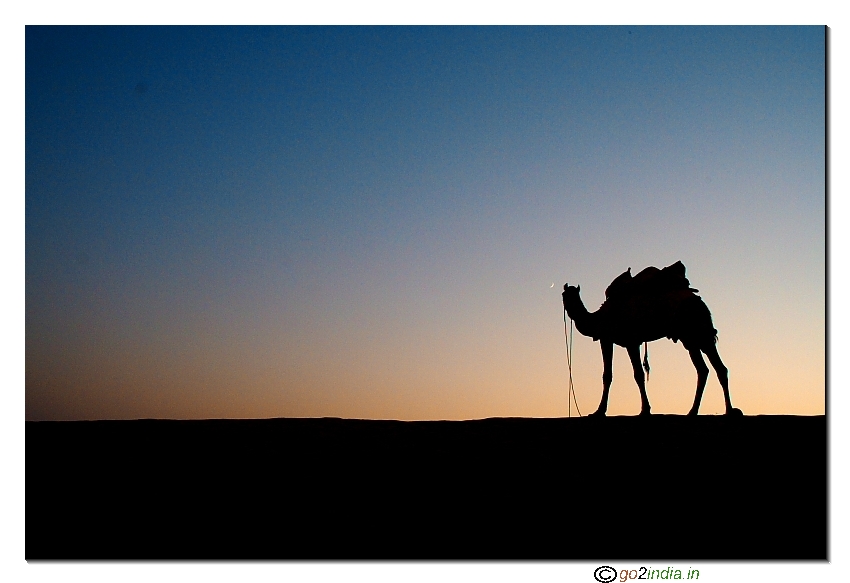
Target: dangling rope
column 569, row 341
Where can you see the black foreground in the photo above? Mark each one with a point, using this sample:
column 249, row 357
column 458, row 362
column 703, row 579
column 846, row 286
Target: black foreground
column 666, row 487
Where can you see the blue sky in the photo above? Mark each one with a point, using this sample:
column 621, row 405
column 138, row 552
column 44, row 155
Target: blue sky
column 786, row 344
column 367, row 222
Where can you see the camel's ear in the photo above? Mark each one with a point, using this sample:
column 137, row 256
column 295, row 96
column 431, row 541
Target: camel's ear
column 578, row 288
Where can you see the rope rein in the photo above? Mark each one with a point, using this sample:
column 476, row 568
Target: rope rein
column 572, row 392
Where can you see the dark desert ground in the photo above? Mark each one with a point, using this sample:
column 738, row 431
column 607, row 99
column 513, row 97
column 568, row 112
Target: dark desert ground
column 668, row 487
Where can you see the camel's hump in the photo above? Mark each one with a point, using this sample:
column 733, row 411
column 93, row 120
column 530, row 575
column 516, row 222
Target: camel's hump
column 650, row 281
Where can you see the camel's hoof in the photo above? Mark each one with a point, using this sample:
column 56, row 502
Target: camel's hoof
column 597, row 414
column 693, row 412
column 735, row 412
column 645, row 413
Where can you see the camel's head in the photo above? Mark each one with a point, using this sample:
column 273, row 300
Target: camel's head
column 571, row 296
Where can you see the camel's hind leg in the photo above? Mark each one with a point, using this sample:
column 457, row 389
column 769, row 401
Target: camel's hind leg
column 702, row 377
column 722, row 376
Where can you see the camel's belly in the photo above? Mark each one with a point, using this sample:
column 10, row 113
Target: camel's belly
column 632, row 339
column 637, row 330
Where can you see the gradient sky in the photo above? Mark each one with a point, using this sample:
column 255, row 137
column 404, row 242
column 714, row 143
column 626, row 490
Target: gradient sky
column 377, row 222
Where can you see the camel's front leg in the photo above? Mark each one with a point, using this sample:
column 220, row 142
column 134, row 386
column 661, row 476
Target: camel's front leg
column 634, row 356
column 607, row 376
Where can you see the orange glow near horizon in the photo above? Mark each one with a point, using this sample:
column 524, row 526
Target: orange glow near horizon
column 377, row 223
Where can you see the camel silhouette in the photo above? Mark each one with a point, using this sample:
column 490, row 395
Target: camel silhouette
column 656, row 303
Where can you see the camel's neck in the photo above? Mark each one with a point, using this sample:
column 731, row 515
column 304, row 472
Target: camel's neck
column 588, row 323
